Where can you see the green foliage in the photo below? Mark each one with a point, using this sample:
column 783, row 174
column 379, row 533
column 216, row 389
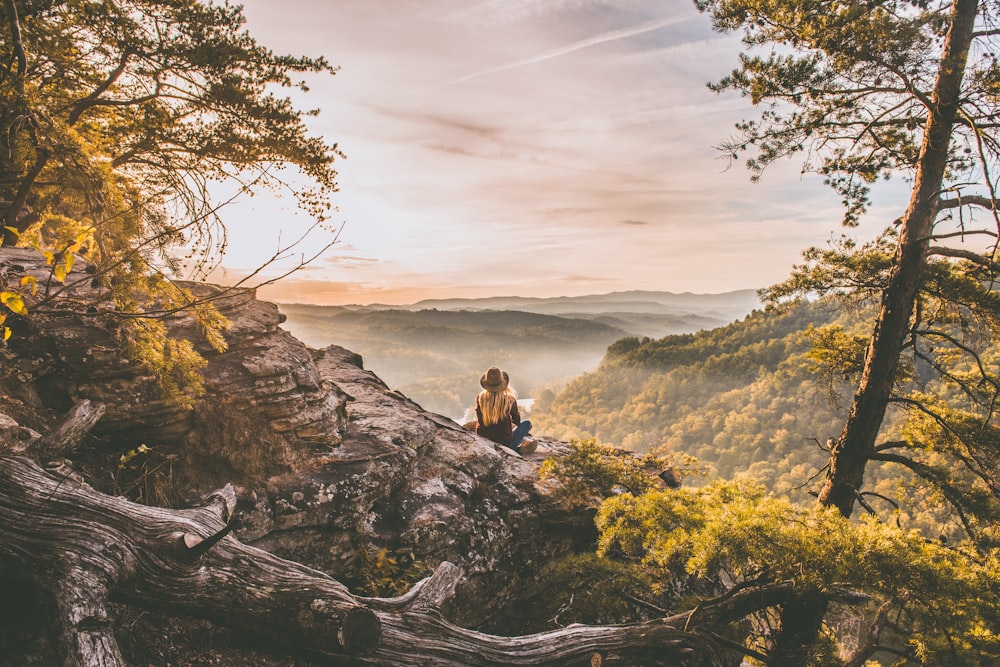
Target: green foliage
column 589, row 589
column 863, row 91
column 958, row 456
column 835, row 353
column 144, row 102
column 765, row 407
column 591, row 472
column 942, row 597
column 847, row 85
column 856, row 273
column 115, row 119
column 742, row 398
column 947, row 383
column 14, row 296
column 175, row 364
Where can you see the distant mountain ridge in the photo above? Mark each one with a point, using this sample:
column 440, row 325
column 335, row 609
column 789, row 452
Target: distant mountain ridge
column 631, row 301
column 636, row 312
column 435, row 350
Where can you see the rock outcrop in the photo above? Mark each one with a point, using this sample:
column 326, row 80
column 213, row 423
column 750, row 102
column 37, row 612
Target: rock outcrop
column 332, row 467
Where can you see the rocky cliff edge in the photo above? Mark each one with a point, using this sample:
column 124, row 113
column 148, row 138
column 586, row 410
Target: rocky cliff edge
column 332, row 467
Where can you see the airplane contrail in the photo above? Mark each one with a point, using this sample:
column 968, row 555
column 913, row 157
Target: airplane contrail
column 648, row 26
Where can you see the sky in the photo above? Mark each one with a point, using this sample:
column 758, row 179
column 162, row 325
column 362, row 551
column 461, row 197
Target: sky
column 527, row 148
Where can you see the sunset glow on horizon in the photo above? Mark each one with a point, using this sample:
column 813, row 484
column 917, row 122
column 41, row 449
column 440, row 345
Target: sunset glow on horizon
column 528, row 148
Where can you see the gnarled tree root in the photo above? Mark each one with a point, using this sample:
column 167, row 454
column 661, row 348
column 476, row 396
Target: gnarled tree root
column 85, row 548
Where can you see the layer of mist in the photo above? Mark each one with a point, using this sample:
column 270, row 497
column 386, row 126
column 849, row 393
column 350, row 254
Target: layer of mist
column 435, row 351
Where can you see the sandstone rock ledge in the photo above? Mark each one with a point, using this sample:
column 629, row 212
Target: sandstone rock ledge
column 332, row 467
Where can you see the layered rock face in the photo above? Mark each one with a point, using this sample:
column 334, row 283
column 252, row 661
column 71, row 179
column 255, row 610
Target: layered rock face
column 265, row 410
column 332, row 467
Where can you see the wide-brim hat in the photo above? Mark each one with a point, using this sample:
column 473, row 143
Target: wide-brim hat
column 494, row 380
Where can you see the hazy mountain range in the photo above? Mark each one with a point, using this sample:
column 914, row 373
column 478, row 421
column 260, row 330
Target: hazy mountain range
column 435, row 350
column 635, row 301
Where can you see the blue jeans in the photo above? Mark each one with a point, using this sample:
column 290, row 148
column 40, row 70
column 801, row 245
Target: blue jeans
column 518, row 434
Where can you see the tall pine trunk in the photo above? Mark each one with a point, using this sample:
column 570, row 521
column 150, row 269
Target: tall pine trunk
column 856, row 443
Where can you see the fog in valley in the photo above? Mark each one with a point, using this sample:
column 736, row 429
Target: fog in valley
column 434, row 352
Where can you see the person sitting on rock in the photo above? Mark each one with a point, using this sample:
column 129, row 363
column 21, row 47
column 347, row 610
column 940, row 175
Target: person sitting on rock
column 498, row 416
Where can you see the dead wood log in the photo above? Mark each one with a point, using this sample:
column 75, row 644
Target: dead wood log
column 66, row 436
column 414, row 633
column 417, row 638
column 84, row 549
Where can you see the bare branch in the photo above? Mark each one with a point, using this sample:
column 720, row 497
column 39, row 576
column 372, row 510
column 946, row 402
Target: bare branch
column 960, row 253
column 962, row 234
column 870, row 645
column 68, row 434
column 135, row 548
column 983, row 373
column 971, row 200
column 894, row 444
column 92, row 99
column 21, row 197
column 16, row 43
column 939, row 479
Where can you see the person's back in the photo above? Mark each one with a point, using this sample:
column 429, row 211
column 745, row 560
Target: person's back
column 498, row 417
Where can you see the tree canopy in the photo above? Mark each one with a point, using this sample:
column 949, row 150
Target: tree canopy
column 116, row 116
column 868, row 90
column 852, row 86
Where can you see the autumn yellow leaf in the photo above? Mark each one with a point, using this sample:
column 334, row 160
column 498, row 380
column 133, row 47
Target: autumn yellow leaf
column 14, row 302
column 29, row 280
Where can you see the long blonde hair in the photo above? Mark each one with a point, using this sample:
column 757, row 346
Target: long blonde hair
column 495, row 405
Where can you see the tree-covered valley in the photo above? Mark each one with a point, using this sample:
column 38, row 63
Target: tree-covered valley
column 743, row 398
column 435, row 351
column 754, row 399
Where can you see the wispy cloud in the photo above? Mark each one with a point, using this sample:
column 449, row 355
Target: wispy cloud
column 603, row 38
column 504, row 12
column 538, row 147
column 579, row 278
column 695, row 49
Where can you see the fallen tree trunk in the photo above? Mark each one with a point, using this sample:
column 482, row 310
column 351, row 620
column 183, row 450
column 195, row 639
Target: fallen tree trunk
column 413, row 633
column 83, row 549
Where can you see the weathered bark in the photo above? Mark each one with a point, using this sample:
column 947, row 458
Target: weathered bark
column 12, row 226
column 71, row 430
column 84, row 549
column 801, row 621
column 15, row 40
column 857, row 439
column 82, row 630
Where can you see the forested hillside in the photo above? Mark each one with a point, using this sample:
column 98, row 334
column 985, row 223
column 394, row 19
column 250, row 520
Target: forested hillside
column 743, row 398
